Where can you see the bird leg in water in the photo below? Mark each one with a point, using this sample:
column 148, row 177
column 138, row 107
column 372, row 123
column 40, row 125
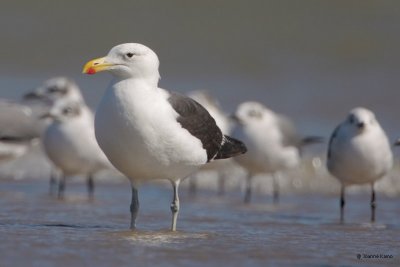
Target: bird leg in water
column 275, row 188
column 134, row 207
column 90, row 185
column 175, row 204
column 193, row 186
column 61, row 186
column 221, row 185
column 342, row 203
column 373, row 203
column 53, row 180
column 247, row 194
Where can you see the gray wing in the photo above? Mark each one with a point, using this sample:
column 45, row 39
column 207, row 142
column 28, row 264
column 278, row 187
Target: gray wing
column 290, row 137
column 17, row 121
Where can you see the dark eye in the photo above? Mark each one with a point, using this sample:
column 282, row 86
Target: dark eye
column 351, row 119
column 52, row 89
column 67, row 110
column 254, row 113
column 130, row 55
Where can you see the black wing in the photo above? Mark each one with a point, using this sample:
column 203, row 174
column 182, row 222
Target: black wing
column 231, row 147
column 196, row 119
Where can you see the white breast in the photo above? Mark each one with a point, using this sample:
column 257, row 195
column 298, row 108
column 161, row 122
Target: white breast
column 137, row 129
column 72, row 147
column 363, row 158
column 265, row 153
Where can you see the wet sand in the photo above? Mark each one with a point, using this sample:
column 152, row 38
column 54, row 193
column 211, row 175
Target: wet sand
column 37, row 229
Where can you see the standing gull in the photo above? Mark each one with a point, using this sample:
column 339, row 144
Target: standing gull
column 70, row 144
column 51, row 93
column 359, row 153
column 148, row 132
column 272, row 141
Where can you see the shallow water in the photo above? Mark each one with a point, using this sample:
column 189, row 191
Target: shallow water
column 37, row 229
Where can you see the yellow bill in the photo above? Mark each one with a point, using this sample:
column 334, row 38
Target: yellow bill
column 96, row 65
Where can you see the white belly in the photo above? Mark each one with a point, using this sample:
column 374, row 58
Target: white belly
column 140, row 136
column 359, row 161
column 265, row 154
column 72, row 147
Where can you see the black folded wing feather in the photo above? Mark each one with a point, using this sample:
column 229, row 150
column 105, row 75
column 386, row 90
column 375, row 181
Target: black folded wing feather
column 195, row 118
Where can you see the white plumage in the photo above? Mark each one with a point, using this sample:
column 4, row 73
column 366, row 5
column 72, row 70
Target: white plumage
column 70, row 142
column 359, row 152
column 155, row 138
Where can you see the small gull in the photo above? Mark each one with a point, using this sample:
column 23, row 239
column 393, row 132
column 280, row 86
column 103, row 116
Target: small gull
column 359, row 153
column 21, row 124
column 69, row 142
column 148, row 132
column 272, row 141
column 51, row 93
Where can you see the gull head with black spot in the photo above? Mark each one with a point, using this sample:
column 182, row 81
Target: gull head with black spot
column 360, row 120
column 64, row 111
column 55, row 89
column 252, row 112
column 130, row 60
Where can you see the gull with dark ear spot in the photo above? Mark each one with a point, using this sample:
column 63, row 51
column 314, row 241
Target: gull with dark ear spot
column 70, row 144
column 359, row 153
column 42, row 99
column 148, row 132
column 20, row 121
column 56, row 89
column 272, row 141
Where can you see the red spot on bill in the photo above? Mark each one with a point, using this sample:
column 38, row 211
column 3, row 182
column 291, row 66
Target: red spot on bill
column 91, row 71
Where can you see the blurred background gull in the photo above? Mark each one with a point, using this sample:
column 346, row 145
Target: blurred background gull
column 312, row 60
column 273, row 144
